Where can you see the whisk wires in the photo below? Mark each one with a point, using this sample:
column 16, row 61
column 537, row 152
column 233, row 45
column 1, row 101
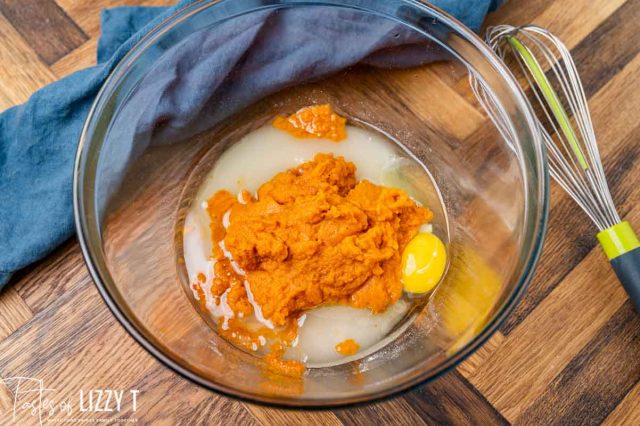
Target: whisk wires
column 548, row 69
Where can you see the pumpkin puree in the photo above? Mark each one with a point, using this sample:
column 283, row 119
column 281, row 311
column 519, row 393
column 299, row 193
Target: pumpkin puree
column 312, row 236
column 317, row 121
column 347, row 347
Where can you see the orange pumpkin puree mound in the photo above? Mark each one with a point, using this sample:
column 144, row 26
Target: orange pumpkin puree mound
column 347, row 347
column 318, row 121
column 312, row 236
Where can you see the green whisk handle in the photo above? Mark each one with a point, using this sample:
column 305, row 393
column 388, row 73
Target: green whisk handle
column 622, row 247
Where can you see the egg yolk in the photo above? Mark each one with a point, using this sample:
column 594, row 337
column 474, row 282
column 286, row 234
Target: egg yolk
column 423, row 262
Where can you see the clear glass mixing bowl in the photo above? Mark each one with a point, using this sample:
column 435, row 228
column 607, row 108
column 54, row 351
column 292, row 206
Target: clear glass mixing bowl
column 131, row 191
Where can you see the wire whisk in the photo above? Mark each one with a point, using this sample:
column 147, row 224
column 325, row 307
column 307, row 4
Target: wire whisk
column 548, row 74
column 574, row 157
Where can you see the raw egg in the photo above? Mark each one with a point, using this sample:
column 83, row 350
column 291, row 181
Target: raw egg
column 423, row 263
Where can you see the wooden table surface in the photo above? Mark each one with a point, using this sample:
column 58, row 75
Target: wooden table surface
column 569, row 354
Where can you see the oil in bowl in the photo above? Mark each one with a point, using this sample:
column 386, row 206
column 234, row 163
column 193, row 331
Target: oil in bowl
column 345, row 328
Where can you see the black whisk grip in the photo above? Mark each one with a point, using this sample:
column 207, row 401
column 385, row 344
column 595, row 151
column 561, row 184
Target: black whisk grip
column 627, row 268
column 622, row 247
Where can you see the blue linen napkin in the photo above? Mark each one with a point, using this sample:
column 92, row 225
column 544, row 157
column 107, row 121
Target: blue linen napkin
column 38, row 139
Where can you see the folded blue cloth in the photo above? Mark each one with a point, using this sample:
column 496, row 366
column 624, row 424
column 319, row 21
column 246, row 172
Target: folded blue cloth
column 38, row 139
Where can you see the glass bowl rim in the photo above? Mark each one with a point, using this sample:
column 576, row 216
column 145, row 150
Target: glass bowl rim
column 539, row 222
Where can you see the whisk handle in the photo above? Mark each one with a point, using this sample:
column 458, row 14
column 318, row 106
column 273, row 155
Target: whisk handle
column 622, row 247
column 627, row 268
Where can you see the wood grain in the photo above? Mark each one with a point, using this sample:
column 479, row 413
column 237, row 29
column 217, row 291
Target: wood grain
column 609, row 47
column 86, row 14
column 47, row 29
column 83, row 56
column 628, row 412
column 453, row 400
column 277, row 417
column 597, row 379
column 439, row 105
column 520, row 15
column 14, row 313
column 21, row 70
column 470, row 365
column 568, row 355
column 61, row 273
column 572, row 28
column 395, row 412
column 549, row 338
column 553, row 334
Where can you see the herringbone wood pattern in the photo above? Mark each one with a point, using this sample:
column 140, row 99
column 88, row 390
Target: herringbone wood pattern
column 570, row 353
